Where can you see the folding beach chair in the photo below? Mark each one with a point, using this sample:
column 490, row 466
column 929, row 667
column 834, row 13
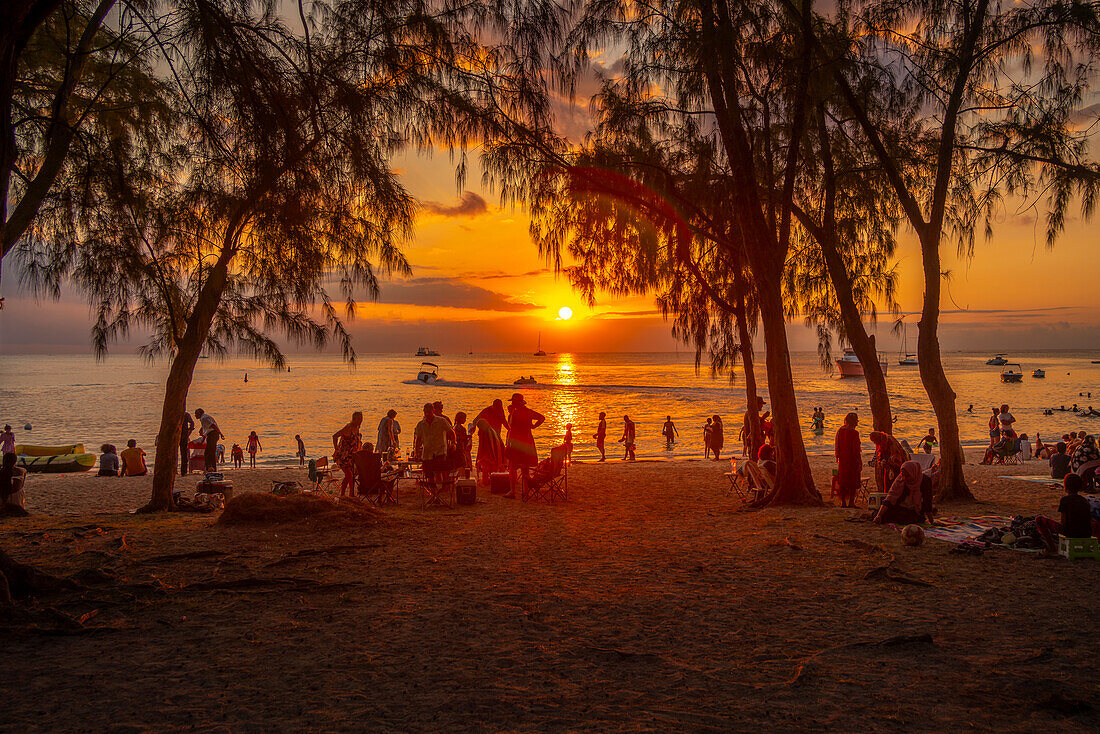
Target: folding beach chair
column 760, row 482
column 550, row 479
column 926, row 461
column 379, row 488
column 321, row 476
column 439, row 492
column 738, row 483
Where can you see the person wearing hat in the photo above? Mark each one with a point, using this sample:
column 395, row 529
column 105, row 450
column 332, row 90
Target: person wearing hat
column 520, row 449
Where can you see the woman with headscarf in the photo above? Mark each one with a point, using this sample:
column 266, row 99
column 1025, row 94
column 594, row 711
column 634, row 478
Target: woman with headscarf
column 490, row 450
column 909, row 499
column 849, row 461
column 520, row 448
column 1085, row 461
column 889, row 456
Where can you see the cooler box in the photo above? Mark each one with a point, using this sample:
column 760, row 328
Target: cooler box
column 499, row 484
column 466, row 492
column 874, row 500
column 223, row 487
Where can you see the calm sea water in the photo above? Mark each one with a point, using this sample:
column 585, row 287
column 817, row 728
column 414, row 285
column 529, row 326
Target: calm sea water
column 69, row 399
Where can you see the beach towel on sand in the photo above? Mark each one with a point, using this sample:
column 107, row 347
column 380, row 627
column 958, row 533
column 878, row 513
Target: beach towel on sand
column 962, row 529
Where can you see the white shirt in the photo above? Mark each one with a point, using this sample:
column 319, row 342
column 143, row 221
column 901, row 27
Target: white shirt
column 1006, row 420
column 205, row 423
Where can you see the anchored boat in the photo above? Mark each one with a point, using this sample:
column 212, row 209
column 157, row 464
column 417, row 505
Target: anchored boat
column 997, row 360
column 1012, row 372
column 850, row 366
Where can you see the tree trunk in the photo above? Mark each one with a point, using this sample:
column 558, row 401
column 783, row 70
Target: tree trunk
column 794, row 483
column 953, row 485
column 862, row 343
column 752, row 401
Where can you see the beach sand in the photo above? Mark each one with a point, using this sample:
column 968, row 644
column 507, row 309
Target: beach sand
column 647, row 602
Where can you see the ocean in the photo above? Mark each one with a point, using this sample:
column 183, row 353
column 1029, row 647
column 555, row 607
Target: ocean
column 72, row 398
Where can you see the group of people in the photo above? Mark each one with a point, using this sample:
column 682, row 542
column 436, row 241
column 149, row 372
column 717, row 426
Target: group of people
column 130, row 462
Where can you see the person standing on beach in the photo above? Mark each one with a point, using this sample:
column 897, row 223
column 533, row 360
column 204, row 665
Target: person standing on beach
column 601, row 436
column 7, row 441
column 849, row 461
column 494, row 416
column 346, row 442
column 994, row 427
column 208, row 429
column 387, row 438
column 717, row 436
column 463, row 445
column 186, row 426
column 252, row 447
column 928, row 441
column 520, row 447
column 708, row 432
column 301, row 450
column 1006, row 420
column 629, row 433
column 430, row 443
column 670, row 433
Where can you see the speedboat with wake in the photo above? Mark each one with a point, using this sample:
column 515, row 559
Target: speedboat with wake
column 526, row 381
column 428, row 373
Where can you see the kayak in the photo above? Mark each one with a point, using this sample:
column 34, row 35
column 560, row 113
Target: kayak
column 54, row 459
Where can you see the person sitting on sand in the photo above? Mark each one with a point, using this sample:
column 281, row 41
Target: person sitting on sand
column 1059, row 462
column 133, row 460
column 108, row 461
column 928, row 441
column 1085, row 461
column 12, row 480
column 236, row 455
column 1075, row 517
column 627, row 439
column 670, row 433
column 601, row 436
column 909, row 499
column 253, row 447
column 1041, row 450
column 849, row 462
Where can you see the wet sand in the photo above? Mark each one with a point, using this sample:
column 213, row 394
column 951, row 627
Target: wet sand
column 649, row 602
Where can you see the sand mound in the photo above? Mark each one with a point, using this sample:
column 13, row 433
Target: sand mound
column 257, row 507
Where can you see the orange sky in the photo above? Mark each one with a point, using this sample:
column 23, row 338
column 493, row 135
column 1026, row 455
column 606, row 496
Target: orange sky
column 479, row 284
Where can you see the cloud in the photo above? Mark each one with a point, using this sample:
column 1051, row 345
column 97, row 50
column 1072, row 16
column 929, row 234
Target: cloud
column 627, row 314
column 452, row 293
column 501, row 275
column 469, row 205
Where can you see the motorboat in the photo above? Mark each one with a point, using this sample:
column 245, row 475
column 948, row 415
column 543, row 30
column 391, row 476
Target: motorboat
column 538, row 351
column 1038, row 373
column 850, row 366
column 1012, row 372
column 997, row 360
column 526, row 381
column 427, row 375
column 426, row 352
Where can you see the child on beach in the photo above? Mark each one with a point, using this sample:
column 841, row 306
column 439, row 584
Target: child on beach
column 7, row 441
column 708, row 429
column 301, row 450
column 928, row 441
column 1059, row 462
column 601, row 436
column 670, row 433
column 253, row 447
column 236, row 455
column 1075, row 516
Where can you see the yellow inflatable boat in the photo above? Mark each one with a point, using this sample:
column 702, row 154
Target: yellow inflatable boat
column 54, row 459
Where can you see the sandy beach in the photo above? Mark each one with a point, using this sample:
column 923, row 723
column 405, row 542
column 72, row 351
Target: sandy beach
column 648, row 602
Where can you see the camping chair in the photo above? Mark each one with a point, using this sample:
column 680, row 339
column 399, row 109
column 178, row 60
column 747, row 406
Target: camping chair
column 926, row 461
column 760, row 482
column 321, row 476
column 380, row 488
column 1007, row 453
column 437, row 492
column 550, row 479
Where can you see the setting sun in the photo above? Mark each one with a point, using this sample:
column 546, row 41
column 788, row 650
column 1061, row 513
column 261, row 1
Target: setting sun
column 565, row 313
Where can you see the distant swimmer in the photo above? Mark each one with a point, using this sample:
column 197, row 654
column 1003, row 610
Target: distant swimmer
column 970, row 409
column 670, row 432
column 246, row 377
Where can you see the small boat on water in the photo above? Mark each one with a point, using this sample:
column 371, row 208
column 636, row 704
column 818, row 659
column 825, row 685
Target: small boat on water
column 426, row 352
column 1012, row 372
column 997, row 360
column 850, row 366
column 906, row 358
column 1039, row 373
column 54, row 459
column 427, row 375
column 909, row 360
column 538, row 351
column 526, row 381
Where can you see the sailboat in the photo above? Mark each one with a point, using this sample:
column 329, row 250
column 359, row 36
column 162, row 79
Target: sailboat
column 539, row 352
column 906, row 359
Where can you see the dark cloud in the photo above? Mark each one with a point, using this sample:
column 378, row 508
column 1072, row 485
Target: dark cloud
column 470, row 205
column 500, row 275
column 624, row 314
column 449, row 292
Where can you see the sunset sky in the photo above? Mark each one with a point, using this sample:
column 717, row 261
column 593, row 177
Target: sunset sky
column 479, row 284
